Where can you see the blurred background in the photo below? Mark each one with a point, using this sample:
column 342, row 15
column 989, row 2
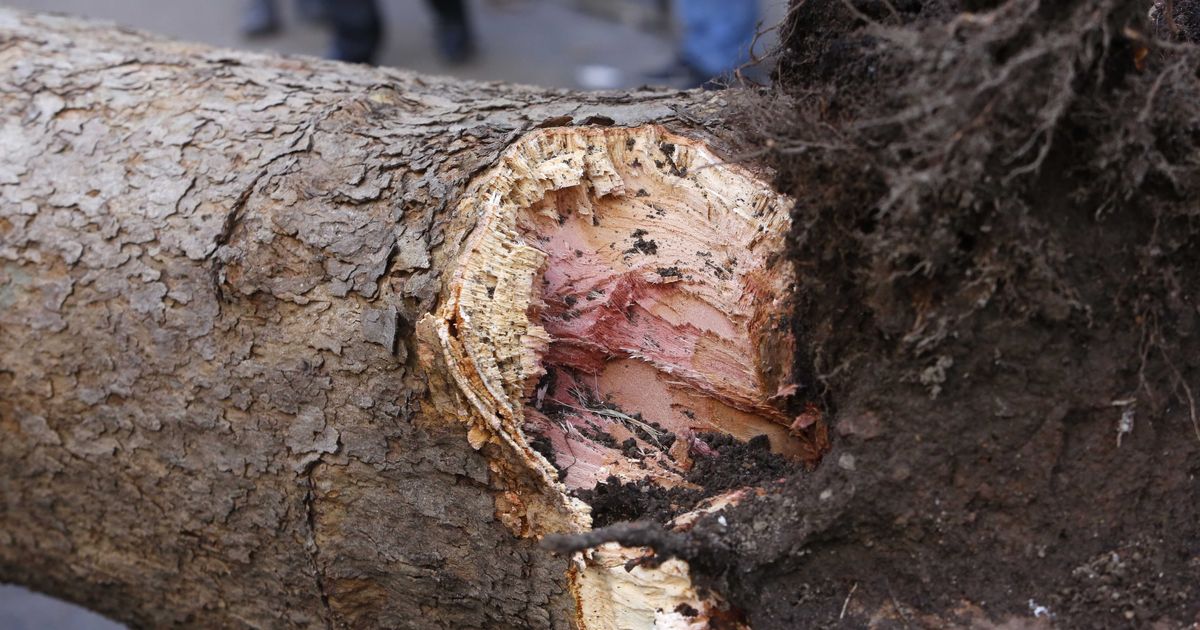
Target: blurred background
column 581, row 44
column 585, row 44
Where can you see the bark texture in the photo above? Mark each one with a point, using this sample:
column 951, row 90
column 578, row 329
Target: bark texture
column 210, row 268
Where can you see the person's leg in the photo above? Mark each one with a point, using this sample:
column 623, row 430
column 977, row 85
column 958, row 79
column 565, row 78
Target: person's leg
column 716, row 34
column 452, row 31
column 357, row 30
column 260, row 18
column 449, row 10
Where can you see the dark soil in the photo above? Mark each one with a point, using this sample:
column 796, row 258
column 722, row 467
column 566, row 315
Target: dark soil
column 641, row 245
column 615, row 501
column 998, row 251
column 735, row 464
column 998, row 248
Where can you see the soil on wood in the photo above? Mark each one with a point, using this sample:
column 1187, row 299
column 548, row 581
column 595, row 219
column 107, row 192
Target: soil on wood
column 997, row 244
column 721, row 464
column 998, row 255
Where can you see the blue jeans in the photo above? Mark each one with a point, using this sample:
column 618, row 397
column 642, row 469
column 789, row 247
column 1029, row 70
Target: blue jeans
column 716, row 33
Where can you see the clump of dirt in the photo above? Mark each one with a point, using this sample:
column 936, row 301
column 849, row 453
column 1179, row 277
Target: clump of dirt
column 737, row 464
column 720, row 464
column 542, row 445
column 615, row 501
column 998, row 251
column 641, row 244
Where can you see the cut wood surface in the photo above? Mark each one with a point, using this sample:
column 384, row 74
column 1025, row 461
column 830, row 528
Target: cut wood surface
column 212, row 265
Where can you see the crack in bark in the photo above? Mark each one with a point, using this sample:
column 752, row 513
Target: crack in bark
column 311, row 546
column 232, row 219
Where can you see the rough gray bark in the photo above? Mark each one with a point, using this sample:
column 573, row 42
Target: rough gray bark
column 210, row 263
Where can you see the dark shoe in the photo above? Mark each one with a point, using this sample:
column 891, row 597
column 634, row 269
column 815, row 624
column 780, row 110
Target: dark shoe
column 454, row 42
column 261, row 18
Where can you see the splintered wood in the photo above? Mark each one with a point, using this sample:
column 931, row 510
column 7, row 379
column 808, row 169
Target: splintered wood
column 620, row 293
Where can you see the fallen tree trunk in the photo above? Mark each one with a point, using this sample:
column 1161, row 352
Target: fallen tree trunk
column 214, row 265
column 291, row 343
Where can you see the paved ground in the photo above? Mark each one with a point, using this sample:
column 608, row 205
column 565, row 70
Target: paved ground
column 541, row 42
column 25, row 610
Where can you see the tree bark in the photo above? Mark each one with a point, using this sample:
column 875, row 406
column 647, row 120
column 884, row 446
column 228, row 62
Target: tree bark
column 211, row 268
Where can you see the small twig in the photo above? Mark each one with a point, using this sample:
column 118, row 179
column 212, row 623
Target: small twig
column 784, row 28
column 891, row 9
column 610, row 413
column 1169, row 10
column 896, row 603
column 859, row 14
column 600, row 411
column 1152, row 93
column 567, row 429
column 1187, row 390
column 846, row 604
column 1143, row 384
